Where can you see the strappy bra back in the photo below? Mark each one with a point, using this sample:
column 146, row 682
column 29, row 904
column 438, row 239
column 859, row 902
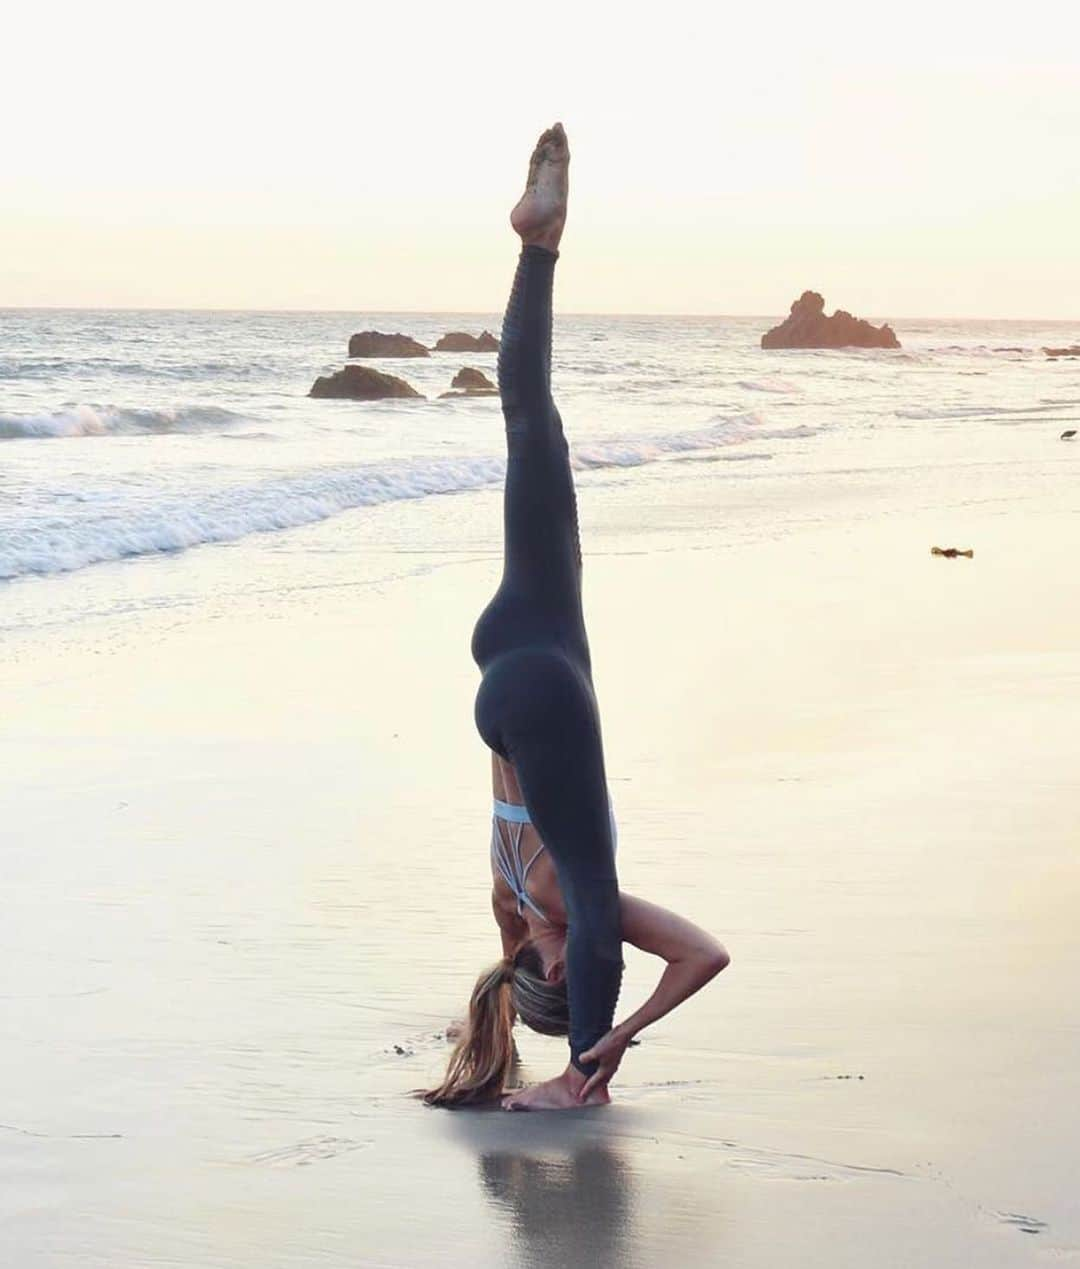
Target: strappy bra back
column 506, row 853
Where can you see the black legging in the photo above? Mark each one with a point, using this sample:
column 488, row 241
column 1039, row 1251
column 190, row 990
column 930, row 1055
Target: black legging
column 536, row 707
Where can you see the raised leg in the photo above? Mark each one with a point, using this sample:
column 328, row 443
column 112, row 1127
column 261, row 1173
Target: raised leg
column 542, row 548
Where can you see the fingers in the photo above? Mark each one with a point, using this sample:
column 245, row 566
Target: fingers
column 598, row 1079
column 596, row 1053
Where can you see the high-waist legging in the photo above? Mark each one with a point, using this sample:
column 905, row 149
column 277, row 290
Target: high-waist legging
column 536, row 706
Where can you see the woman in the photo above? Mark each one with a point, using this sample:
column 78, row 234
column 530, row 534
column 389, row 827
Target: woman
column 556, row 894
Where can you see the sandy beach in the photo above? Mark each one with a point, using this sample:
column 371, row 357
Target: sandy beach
column 803, row 289
column 224, row 967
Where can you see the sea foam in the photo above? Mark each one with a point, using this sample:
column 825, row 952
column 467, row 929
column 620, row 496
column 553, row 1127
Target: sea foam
column 66, row 542
column 96, row 420
column 942, row 413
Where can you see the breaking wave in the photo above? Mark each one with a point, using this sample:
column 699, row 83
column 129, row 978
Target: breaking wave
column 64, row 542
column 769, row 384
column 96, row 420
column 722, row 430
column 932, row 413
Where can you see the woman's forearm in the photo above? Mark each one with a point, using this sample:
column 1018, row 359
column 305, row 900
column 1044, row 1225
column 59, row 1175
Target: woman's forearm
column 679, row 981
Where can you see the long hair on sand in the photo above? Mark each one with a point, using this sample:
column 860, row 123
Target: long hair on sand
column 481, row 1059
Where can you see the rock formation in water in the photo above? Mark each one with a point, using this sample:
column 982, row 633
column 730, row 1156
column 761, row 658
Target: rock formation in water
column 808, row 327
column 361, row 383
column 472, row 380
column 459, row 341
column 373, row 343
column 1072, row 351
column 471, row 383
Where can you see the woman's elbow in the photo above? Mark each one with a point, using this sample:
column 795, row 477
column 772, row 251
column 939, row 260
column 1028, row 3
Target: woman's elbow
column 716, row 959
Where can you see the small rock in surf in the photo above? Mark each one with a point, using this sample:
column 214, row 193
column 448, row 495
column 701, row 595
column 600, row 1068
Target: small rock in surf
column 374, row 343
column 469, row 382
column 361, row 383
column 460, row 341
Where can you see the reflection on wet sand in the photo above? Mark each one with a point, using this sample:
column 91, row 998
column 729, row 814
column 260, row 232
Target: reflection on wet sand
column 561, row 1188
column 568, row 1209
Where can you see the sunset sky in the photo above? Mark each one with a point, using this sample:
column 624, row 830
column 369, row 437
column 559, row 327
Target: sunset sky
column 904, row 159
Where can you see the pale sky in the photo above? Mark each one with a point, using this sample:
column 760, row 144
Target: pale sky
column 904, row 159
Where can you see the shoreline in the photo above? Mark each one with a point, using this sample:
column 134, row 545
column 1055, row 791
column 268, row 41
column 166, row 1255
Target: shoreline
column 827, row 769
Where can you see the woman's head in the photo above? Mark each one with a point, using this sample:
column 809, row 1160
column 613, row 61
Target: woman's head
column 538, row 992
column 518, row 985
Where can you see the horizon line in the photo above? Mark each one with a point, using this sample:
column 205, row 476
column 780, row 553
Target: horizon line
column 420, row 312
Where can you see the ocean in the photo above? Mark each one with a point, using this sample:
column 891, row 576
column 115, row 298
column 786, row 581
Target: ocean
column 133, row 441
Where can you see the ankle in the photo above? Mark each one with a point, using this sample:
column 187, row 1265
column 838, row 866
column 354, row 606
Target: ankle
column 574, row 1079
column 549, row 239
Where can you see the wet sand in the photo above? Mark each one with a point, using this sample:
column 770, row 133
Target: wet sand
column 246, row 888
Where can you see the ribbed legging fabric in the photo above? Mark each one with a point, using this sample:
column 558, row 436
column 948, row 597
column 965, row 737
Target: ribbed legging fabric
column 536, row 706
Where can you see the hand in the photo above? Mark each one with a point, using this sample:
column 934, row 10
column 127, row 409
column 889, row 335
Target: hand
column 608, row 1051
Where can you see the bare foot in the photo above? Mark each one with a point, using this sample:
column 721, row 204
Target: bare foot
column 540, row 213
column 557, row 1094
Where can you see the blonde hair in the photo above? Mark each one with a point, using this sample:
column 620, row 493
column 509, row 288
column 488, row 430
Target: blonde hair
column 482, row 1058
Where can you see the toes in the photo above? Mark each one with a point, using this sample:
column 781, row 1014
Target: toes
column 552, row 146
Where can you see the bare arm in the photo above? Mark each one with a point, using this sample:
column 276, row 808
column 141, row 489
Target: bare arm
column 693, row 958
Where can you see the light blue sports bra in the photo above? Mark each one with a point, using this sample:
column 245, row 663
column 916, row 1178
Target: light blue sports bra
column 506, row 852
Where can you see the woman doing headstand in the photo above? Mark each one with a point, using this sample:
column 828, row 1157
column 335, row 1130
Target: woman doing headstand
column 556, row 895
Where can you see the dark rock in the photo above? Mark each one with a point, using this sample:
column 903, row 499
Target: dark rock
column 471, row 383
column 361, row 383
column 1072, row 351
column 459, row 341
column 373, row 343
column 472, row 380
column 1068, row 434
column 808, row 327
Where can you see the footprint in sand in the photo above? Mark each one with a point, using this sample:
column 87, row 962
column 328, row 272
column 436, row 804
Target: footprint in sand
column 311, row 1150
column 1026, row 1224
